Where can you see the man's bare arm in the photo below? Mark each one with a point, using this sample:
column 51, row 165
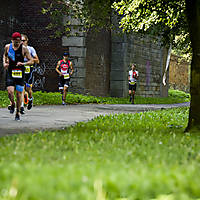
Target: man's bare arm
column 72, row 69
column 129, row 77
column 36, row 59
column 28, row 56
column 5, row 57
column 57, row 68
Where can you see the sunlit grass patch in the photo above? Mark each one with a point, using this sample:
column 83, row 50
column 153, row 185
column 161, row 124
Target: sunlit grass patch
column 125, row 156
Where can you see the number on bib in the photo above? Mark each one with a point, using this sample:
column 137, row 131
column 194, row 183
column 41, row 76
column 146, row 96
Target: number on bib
column 16, row 73
column 27, row 69
column 66, row 76
column 132, row 83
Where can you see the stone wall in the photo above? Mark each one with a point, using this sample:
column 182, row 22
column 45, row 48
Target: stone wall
column 179, row 74
column 98, row 55
column 150, row 59
column 77, row 50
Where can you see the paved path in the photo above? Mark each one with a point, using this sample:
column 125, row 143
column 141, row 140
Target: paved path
column 58, row 117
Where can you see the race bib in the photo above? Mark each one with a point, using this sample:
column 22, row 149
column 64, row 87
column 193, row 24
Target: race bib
column 132, row 83
column 27, row 69
column 17, row 73
column 66, row 76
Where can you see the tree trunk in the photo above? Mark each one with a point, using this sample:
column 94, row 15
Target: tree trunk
column 193, row 16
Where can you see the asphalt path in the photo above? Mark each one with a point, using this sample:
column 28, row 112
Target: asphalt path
column 54, row 117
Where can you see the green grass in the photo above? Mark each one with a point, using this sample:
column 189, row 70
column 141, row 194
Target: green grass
column 50, row 98
column 127, row 156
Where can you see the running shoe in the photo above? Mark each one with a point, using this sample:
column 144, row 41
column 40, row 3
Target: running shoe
column 30, row 104
column 11, row 108
column 22, row 110
column 64, row 104
column 17, row 117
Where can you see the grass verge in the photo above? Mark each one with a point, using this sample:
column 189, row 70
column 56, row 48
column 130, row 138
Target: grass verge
column 54, row 98
column 126, row 156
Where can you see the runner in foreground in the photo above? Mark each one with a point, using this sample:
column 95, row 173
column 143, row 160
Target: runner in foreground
column 13, row 62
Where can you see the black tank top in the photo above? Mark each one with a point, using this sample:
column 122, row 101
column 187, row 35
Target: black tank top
column 16, row 57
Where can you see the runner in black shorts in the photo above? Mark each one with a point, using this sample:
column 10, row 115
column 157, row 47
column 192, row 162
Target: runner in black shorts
column 65, row 70
column 133, row 76
column 28, row 75
column 13, row 62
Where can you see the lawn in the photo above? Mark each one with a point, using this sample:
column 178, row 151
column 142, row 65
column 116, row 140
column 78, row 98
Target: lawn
column 117, row 157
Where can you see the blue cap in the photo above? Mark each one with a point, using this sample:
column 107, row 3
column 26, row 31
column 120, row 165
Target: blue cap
column 66, row 54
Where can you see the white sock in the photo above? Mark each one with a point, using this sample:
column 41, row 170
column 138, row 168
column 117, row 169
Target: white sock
column 22, row 105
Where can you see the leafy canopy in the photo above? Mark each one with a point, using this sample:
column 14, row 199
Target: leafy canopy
column 161, row 18
column 79, row 15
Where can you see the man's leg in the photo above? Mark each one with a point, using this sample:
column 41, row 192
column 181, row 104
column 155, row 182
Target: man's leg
column 22, row 103
column 30, row 95
column 11, row 90
column 64, row 94
column 133, row 96
column 61, row 89
column 30, row 92
column 130, row 94
column 19, row 91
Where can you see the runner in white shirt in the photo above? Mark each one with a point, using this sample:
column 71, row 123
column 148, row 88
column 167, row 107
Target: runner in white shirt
column 132, row 78
column 28, row 97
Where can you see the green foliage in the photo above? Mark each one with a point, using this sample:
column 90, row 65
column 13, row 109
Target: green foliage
column 78, row 16
column 126, row 156
column 182, row 46
column 4, row 101
column 159, row 18
column 178, row 93
column 55, row 98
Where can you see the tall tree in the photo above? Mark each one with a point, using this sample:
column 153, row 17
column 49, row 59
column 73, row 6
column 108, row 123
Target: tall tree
column 193, row 16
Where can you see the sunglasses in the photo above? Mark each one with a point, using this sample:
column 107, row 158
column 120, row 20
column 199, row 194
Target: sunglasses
column 23, row 40
column 17, row 41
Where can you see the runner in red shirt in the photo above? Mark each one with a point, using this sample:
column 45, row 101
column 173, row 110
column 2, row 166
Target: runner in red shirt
column 65, row 71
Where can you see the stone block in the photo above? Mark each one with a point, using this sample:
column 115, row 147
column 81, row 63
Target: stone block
column 117, row 65
column 79, row 72
column 117, row 75
column 77, row 52
column 79, row 62
column 116, row 85
column 73, row 41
